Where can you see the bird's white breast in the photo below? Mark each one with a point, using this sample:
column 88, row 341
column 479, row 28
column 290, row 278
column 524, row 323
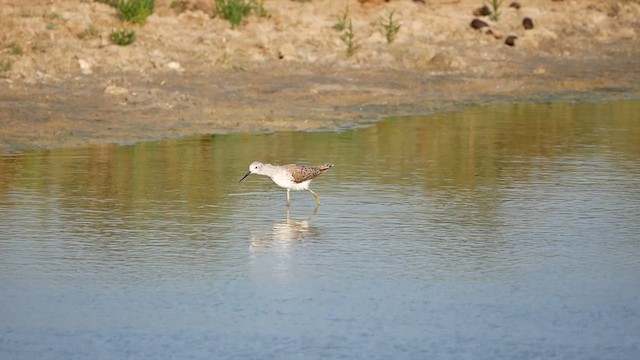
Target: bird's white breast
column 283, row 179
column 301, row 186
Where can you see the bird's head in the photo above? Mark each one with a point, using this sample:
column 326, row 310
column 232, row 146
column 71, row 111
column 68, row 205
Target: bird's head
column 254, row 168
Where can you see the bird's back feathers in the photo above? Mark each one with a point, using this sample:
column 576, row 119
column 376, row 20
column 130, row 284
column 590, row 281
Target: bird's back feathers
column 301, row 173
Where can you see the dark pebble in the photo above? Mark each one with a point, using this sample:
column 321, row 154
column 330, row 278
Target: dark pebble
column 482, row 11
column 511, row 40
column 527, row 23
column 478, row 24
column 515, row 5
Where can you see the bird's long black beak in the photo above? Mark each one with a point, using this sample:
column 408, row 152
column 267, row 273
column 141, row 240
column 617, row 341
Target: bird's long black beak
column 245, row 176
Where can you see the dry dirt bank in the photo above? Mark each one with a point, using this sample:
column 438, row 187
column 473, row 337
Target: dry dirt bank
column 188, row 73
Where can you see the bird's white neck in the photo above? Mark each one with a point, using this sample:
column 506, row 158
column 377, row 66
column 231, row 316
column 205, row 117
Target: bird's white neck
column 267, row 169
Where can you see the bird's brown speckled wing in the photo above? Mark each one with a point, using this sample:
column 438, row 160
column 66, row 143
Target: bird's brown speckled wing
column 301, row 173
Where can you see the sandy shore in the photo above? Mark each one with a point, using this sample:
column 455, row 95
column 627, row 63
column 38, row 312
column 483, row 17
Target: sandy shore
column 189, row 73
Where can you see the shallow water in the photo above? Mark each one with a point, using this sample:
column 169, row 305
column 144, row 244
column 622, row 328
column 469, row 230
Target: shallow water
column 494, row 232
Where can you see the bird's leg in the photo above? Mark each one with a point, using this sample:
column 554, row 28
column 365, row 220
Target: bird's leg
column 288, row 198
column 315, row 196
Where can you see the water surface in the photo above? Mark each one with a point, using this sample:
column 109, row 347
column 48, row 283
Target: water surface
column 495, row 232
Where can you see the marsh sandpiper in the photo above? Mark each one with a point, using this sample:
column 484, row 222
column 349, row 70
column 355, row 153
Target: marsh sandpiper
column 290, row 177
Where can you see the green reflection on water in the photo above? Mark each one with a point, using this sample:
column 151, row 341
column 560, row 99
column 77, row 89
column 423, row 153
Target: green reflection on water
column 458, row 150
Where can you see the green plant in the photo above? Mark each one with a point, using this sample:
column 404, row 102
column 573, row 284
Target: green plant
column 135, row 11
column 16, row 49
column 348, row 38
column 342, row 21
column 233, row 10
column 495, row 9
column 123, row 37
column 391, row 27
column 5, row 65
column 259, row 9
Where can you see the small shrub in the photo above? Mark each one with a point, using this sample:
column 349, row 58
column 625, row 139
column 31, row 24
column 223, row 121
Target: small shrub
column 135, row 11
column 233, row 10
column 391, row 27
column 236, row 10
column 258, row 8
column 342, row 21
column 495, row 9
column 5, row 65
column 123, row 37
column 16, row 49
column 349, row 38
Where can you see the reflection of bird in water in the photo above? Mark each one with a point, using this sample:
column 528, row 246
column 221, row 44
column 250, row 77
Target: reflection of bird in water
column 284, row 234
column 290, row 177
column 290, row 230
